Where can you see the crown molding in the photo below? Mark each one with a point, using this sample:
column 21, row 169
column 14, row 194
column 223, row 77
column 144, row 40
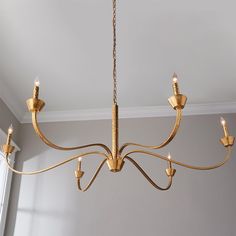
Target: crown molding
column 10, row 100
column 132, row 112
column 105, row 113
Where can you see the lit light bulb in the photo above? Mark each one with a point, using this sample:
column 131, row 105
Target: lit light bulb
column 37, row 82
column 225, row 127
column 9, row 135
column 79, row 163
column 175, row 78
column 10, row 129
column 222, row 121
column 169, row 162
column 36, row 88
column 175, row 84
column 169, row 157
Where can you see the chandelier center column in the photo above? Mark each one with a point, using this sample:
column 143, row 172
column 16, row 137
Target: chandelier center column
column 115, row 113
column 115, row 131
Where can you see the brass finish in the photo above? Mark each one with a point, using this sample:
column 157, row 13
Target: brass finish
column 52, row 145
column 36, row 92
column 166, row 142
column 79, row 174
column 35, row 105
column 176, row 89
column 225, row 127
column 170, row 172
column 115, row 157
column 147, row 177
column 92, row 180
column 53, row 166
column 9, row 138
column 115, row 165
column 114, row 52
column 178, row 101
column 7, row 149
column 227, row 157
column 115, row 132
column 226, row 131
column 228, row 141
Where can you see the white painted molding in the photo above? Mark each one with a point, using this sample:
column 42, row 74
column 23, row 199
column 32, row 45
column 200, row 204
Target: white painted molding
column 8, row 180
column 105, row 113
column 10, row 100
column 132, row 112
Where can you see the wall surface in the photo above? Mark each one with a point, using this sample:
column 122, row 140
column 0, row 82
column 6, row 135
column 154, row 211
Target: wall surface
column 199, row 203
column 7, row 118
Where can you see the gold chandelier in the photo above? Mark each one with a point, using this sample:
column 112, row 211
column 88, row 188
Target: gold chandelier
column 116, row 156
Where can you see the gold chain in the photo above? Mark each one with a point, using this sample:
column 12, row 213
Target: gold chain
column 114, row 53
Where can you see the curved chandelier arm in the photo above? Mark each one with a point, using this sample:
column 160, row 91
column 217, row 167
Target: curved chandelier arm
column 52, row 145
column 227, row 157
column 167, row 141
column 93, row 178
column 147, row 177
column 53, row 166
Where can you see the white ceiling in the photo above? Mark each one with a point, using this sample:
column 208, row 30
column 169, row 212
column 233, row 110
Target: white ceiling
column 67, row 43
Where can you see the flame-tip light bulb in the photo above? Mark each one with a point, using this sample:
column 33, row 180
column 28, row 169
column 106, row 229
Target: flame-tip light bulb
column 10, row 129
column 79, row 163
column 36, row 89
column 169, row 158
column 37, row 82
column 175, row 84
column 225, row 127
column 9, row 135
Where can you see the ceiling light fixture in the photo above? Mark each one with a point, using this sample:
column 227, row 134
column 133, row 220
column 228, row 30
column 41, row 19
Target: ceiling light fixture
column 116, row 156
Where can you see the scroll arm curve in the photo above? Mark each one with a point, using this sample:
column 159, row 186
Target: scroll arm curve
column 53, row 166
column 93, row 178
column 167, row 141
column 52, row 145
column 147, row 177
column 226, row 159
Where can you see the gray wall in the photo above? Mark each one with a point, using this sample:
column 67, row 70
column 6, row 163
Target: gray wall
column 199, row 203
column 7, row 118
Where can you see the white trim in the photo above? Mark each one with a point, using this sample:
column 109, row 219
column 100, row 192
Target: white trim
column 105, row 113
column 3, row 137
column 12, row 103
column 8, row 179
column 132, row 112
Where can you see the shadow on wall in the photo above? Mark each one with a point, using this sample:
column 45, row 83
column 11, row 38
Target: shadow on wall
column 33, row 148
column 190, row 138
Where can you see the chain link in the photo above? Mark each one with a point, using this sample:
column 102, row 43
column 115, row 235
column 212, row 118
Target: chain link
column 114, row 53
